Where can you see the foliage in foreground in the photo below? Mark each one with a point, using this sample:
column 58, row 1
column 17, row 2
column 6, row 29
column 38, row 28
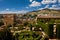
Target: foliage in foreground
column 28, row 35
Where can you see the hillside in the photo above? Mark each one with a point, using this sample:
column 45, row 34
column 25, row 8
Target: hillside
column 45, row 11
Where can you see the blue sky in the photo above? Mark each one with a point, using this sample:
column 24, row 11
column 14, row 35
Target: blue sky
column 23, row 6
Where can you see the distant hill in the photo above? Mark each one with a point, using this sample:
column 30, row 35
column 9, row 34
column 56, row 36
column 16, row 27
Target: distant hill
column 45, row 11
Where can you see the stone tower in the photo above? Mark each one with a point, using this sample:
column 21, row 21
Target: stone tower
column 9, row 19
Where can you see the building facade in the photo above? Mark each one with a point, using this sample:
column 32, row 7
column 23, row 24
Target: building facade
column 51, row 25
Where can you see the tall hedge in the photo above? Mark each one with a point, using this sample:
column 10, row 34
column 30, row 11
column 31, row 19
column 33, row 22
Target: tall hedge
column 50, row 31
column 58, row 30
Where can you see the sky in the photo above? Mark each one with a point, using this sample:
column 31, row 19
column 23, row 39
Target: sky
column 23, row 6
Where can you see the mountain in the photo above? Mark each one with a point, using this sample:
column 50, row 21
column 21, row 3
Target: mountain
column 45, row 11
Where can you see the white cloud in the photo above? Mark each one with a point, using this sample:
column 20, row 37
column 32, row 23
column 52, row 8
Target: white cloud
column 27, row 7
column 48, row 1
column 13, row 10
column 40, row 8
column 7, row 9
column 59, row 4
column 4, row 12
column 55, row 7
column 35, row 4
column 31, row 0
column 22, row 11
column 47, row 6
column 54, row 1
column 58, row 1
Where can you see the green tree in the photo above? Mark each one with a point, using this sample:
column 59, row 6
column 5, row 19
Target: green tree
column 43, row 26
column 5, row 35
column 1, row 23
column 30, row 25
column 58, row 31
column 26, row 24
column 50, row 31
column 20, row 27
column 29, row 35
